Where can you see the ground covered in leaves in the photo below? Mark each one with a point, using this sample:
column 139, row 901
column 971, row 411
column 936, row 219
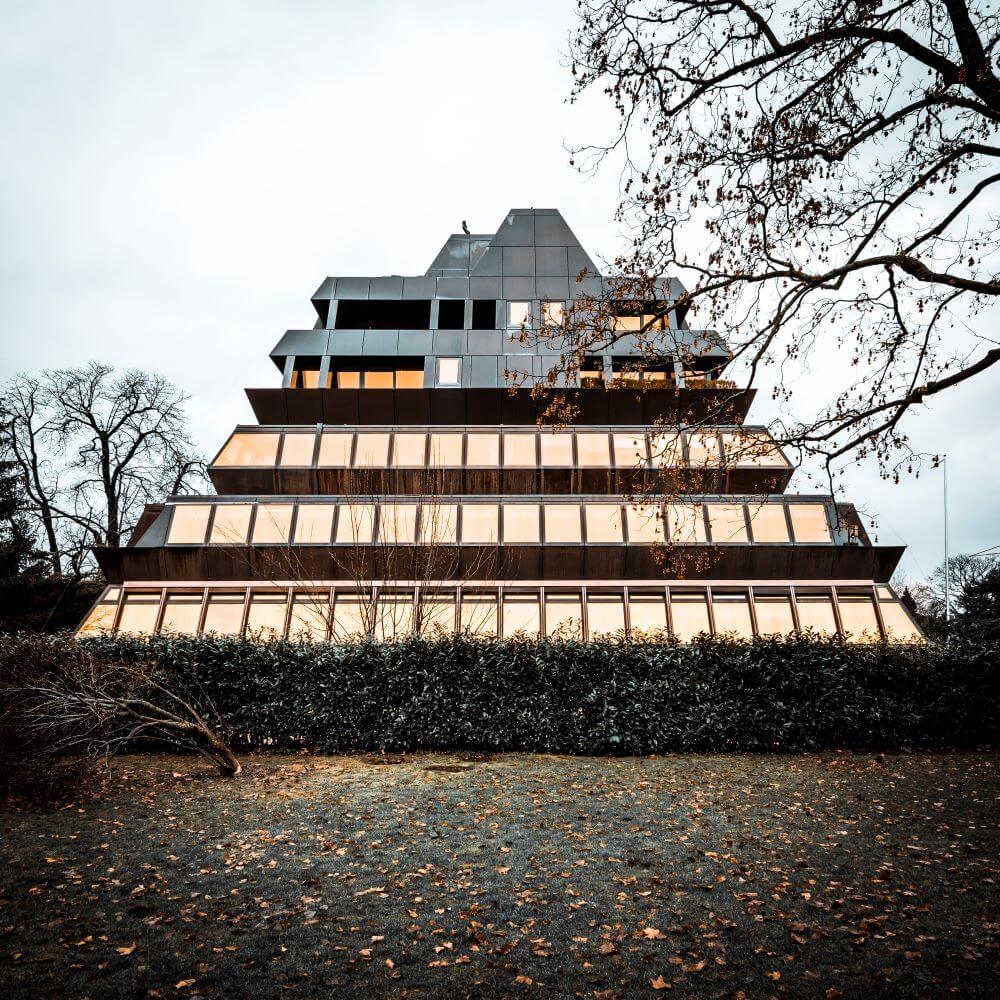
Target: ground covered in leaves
column 827, row 875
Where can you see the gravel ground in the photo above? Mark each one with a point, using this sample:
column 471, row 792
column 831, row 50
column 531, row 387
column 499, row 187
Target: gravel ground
column 829, row 875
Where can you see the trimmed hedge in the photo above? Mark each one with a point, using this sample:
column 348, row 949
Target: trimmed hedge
column 588, row 698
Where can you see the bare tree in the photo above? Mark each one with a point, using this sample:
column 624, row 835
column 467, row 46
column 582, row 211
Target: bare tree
column 820, row 174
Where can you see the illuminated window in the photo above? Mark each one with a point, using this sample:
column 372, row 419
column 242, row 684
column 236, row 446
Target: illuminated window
column 686, row 523
column 557, row 448
column 809, row 522
column 728, row 523
column 857, row 616
column 378, row 379
column 308, row 378
column 521, row 615
column 397, row 522
column 224, row 614
column 604, row 522
column 605, row 614
column 479, row 613
column 732, row 615
column 353, row 616
column 645, row 523
column 449, row 371
column 518, row 315
column 592, row 451
column 394, row 616
column 689, row 611
column 439, row 523
column 563, row 615
column 335, row 450
column 314, row 524
column 647, row 612
column 231, row 523
column 139, row 613
column 816, row 613
column 562, row 522
column 519, row 450
column 630, row 451
column 520, row 522
column 298, row 449
column 484, row 450
column 410, row 378
column 899, row 626
column 273, row 523
column 446, row 450
column 310, row 619
column 703, row 449
column 348, row 380
column 181, row 612
column 437, row 613
column 372, row 451
column 480, row 523
column 354, row 522
column 188, row 523
column 101, row 619
column 751, row 448
column 767, row 522
column 249, row 449
column 774, row 614
column 627, row 323
column 666, row 449
column 266, row 616
column 552, row 313
column 408, row 449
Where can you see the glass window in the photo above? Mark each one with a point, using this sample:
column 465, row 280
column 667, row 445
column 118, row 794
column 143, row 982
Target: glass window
column 354, row 522
column 521, row 615
column 767, row 522
column 231, row 523
column 857, row 616
column 335, row 449
column 397, row 522
column 314, row 524
column 297, row 449
column 449, row 371
column 751, row 448
column 520, row 522
column 310, row 620
column 557, row 448
column 703, row 448
column 266, row 617
column 647, row 611
column 188, row 523
column 519, row 450
column 592, row 451
column 689, row 611
column 732, row 615
column 809, row 522
column 353, row 616
column 408, row 378
column 484, row 450
column 437, row 613
column 645, row 522
column 348, row 380
column 308, row 378
column 633, row 323
column 372, row 451
column 181, row 612
column 224, row 614
column 439, row 523
column 604, row 522
column 100, row 621
column 605, row 614
column 480, row 523
column 408, row 449
column 139, row 612
column 376, row 379
column 552, row 313
column 564, row 615
column 479, row 613
column 899, row 626
column 686, row 523
column 394, row 616
column 728, row 523
column 249, row 449
column 518, row 314
column 446, row 450
column 774, row 614
column 816, row 613
column 630, row 451
column 562, row 522
column 273, row 523
column 666, row 449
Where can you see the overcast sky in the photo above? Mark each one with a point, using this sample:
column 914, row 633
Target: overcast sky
column 178, row 178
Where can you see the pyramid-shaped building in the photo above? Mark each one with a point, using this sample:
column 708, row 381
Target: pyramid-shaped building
column 398, row 480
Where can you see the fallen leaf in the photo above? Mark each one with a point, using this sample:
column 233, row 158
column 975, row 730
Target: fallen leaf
column 127, row 949
column 653, row 934
column 659, row 983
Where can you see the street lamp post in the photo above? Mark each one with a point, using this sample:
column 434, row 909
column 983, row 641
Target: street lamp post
column 947, row 565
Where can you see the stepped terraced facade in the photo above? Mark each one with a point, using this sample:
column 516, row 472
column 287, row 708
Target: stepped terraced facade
column 396, row 482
